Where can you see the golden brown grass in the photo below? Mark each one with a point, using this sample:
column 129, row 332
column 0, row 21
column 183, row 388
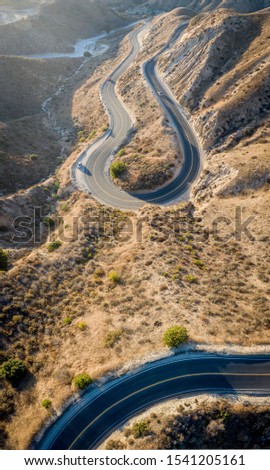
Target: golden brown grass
column 228, row 303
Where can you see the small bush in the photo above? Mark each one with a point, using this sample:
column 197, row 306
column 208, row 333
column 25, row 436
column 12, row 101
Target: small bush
column 99, row 272
column 114, row 277
column 64, row 207
column 112, row 338
column 57, row 185
column 117, row 168
column 121, row 152
column 190, row 278
column 140, row 429
column 67, row 321
column 82, row 380
column 87, row 54
column 174, row 336
column 82, row 326
column 54, row 246
column 114, row 445
column 48, row 222
column 199, row 263
column 33, row 157
column 46, row 404
column 92, row 134
column 3, row 260
column 13, row 370
column 17, row 319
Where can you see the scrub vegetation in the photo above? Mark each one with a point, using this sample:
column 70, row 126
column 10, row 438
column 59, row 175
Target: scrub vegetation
column 99, row 288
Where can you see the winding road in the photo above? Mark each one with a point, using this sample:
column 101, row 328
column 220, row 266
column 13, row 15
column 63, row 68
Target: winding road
column 91, row 420
column 92, row 174
column 87, row 423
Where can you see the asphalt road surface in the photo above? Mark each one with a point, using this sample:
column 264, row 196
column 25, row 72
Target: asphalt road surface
column 102, row 409
column 92, row 175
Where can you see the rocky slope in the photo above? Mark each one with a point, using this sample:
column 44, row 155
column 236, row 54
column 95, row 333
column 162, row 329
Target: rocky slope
column 223, row 77
column 244, row 6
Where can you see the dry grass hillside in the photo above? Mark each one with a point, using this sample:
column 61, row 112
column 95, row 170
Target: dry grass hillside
column 62, row 315
column 204, row 422
column 223, row 82
column 194, row 264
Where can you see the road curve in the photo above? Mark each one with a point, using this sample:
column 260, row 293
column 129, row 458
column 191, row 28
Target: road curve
column 102, row 409
column 93, row 176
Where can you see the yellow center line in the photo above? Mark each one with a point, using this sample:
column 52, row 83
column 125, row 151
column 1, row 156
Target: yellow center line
column 159, row 383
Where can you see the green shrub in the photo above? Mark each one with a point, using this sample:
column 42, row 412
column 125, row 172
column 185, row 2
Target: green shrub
column 199, row 263
column 17, row 318
column 190, row 278
column 67, row 321
column 34, row 156
column 13, row 370
column 121, row 152
column 92, row 134
column 57, row 185
column 82, row 326
column 174, row 336
column 64, row 207
column 82, row 380
column 117, row 168
column 111, row 338
column 54, row 246
column 189, row 248
column 87, row 54
column 3, row 260
column 46, row 403
column 114, row 277
column 48, row 222
column 140, row 429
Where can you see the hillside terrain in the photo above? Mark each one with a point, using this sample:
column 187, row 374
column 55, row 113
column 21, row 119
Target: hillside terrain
column 57, row 27
column 201, row 423
column 39, row 123
column 243, row 6
column 30, row 149
column 100, row 287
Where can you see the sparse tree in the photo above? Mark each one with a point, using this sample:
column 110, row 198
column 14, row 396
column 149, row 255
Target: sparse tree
column 13, row 370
